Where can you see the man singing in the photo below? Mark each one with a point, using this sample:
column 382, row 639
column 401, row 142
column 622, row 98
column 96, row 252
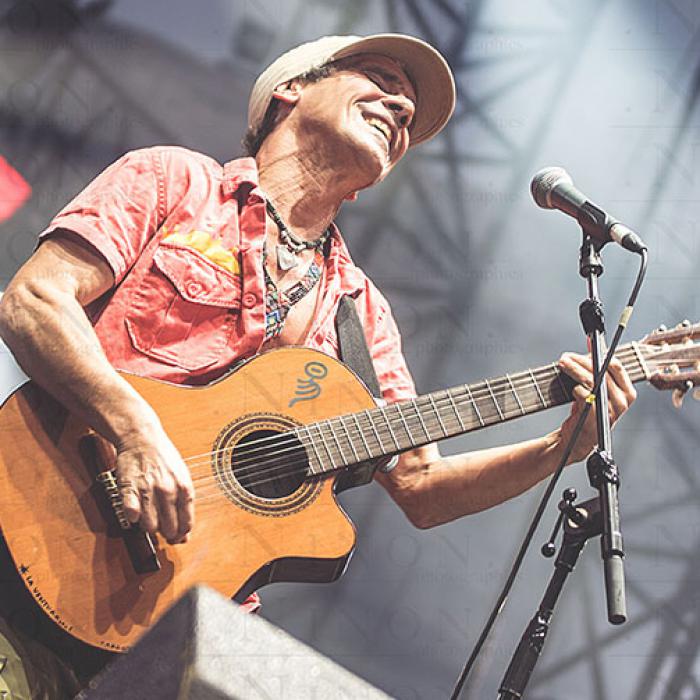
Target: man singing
column 172, row 266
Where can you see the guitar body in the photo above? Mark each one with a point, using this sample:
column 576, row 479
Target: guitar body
column 66, row 542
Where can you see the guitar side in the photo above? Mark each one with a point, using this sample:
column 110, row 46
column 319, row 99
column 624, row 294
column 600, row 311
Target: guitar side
column 67, row 545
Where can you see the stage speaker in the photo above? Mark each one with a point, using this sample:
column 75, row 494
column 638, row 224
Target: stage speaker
column 205, row 648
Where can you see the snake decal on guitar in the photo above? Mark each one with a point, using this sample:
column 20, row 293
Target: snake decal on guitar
column 309, row 388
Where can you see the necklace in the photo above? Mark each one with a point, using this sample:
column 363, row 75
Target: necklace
column 290, row 245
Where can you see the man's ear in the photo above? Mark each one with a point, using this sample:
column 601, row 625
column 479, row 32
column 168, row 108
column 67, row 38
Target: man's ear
column 288, row 92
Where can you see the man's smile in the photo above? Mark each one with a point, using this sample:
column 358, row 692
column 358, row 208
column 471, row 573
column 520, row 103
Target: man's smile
column 381, row 126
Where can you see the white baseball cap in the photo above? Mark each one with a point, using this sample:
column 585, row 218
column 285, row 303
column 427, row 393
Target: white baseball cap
column 425, row 66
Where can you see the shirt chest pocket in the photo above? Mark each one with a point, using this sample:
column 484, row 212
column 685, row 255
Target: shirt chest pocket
column 184, row 310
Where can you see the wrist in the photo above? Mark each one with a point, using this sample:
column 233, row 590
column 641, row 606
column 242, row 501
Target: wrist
column 136, row 423
column 553, row 446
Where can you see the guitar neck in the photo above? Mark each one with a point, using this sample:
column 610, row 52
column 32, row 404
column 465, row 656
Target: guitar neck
column 349, row 439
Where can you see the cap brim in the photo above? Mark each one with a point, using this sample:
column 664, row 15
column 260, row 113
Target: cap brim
column 428, row 71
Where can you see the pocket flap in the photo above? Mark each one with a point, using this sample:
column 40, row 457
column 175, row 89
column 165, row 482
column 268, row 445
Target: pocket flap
column 197, row 279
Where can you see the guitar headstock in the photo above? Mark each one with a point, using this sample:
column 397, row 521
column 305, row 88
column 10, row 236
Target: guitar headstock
column 673, row 357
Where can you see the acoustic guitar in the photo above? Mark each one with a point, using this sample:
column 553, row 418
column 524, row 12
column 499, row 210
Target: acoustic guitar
column 268, row 447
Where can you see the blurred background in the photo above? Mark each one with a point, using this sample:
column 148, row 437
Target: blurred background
column 482, row 283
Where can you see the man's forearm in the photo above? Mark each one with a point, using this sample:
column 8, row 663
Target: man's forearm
column 55, row 344
column 433, row 490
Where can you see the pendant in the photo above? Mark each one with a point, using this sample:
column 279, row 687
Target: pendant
column 286, row 259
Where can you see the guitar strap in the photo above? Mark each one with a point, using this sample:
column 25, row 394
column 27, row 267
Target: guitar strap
column 352, row 345
column 353, row 351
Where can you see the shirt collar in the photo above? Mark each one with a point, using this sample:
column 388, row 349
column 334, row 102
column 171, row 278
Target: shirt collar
column 340, row 264
column 238, row 172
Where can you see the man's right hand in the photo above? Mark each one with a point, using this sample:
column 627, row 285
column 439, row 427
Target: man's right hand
column 156, row 486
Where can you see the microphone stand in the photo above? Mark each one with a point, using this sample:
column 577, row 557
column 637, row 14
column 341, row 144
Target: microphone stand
column 580, row 524
column 597, row 516
column 601, row 468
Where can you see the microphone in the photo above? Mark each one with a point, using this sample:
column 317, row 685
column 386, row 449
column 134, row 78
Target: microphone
column 553, row 188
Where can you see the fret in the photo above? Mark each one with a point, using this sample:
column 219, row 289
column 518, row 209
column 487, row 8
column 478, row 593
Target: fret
column 374, row 430
column 456, row 412
column 515, row 394
column 362, row 435
column 335, row 440
column 493, row 397
column 391, row 430
column 537, row 387
column 313, row 447
column 351, row 442
column 476, row 408
column 325, row 446
column 420, row 420
column 437, row 415
column 397, row 406
column 557, row 373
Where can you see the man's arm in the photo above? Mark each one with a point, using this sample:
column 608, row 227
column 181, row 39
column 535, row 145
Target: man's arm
column 43, row 322
column 433, row 490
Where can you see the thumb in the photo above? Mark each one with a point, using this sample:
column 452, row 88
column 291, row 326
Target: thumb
column 131, row 502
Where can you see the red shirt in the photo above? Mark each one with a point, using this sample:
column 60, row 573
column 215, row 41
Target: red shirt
column 184, row 237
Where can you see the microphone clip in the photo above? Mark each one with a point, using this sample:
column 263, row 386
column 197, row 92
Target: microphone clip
column 592, row 316
column 595, row 223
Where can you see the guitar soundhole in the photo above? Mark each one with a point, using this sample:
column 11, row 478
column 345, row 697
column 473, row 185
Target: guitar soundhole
column 269, row 464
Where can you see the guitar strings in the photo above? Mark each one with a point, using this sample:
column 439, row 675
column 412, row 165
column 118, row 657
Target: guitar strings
column 628, row 351
column 303, row 463
column 263, row 443
column 278, row 466
column 298, row 470
column 497, row 385
column 252, row 451
column 205, row 492
column 210, row 489
column 412, row 421
column 208, row 493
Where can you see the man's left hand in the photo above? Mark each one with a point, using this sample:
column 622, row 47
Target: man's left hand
column 621, row 395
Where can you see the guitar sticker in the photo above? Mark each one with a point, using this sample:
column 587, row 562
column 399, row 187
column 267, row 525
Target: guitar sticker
column 309, row 388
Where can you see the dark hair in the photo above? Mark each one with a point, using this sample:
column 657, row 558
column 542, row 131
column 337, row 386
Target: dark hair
column 254, row 137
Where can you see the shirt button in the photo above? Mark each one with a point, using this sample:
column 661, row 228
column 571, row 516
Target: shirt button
column 193, row 288
column 249, row 300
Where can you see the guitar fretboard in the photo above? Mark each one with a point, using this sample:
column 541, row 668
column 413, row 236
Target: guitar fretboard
column 339, row 442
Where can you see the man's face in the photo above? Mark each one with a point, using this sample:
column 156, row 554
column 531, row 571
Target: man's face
column 362, row 111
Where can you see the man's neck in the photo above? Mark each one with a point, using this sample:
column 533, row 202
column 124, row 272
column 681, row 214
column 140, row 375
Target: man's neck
column 305, row 190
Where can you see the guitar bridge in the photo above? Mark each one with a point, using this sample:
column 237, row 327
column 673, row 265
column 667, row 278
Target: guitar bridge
column 109, row 484
column 139, row 544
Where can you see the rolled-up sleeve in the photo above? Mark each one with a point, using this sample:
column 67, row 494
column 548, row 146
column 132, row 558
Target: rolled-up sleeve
column 119, row 211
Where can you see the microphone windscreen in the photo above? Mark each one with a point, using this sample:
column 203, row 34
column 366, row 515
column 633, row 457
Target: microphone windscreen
column 544, row 181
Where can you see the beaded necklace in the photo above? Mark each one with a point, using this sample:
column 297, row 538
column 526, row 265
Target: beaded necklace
column 278, row 303
column 291, row 245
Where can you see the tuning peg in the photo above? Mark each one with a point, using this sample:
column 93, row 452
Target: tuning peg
column 661, row 328
column 678, row 395
column 686, row 323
